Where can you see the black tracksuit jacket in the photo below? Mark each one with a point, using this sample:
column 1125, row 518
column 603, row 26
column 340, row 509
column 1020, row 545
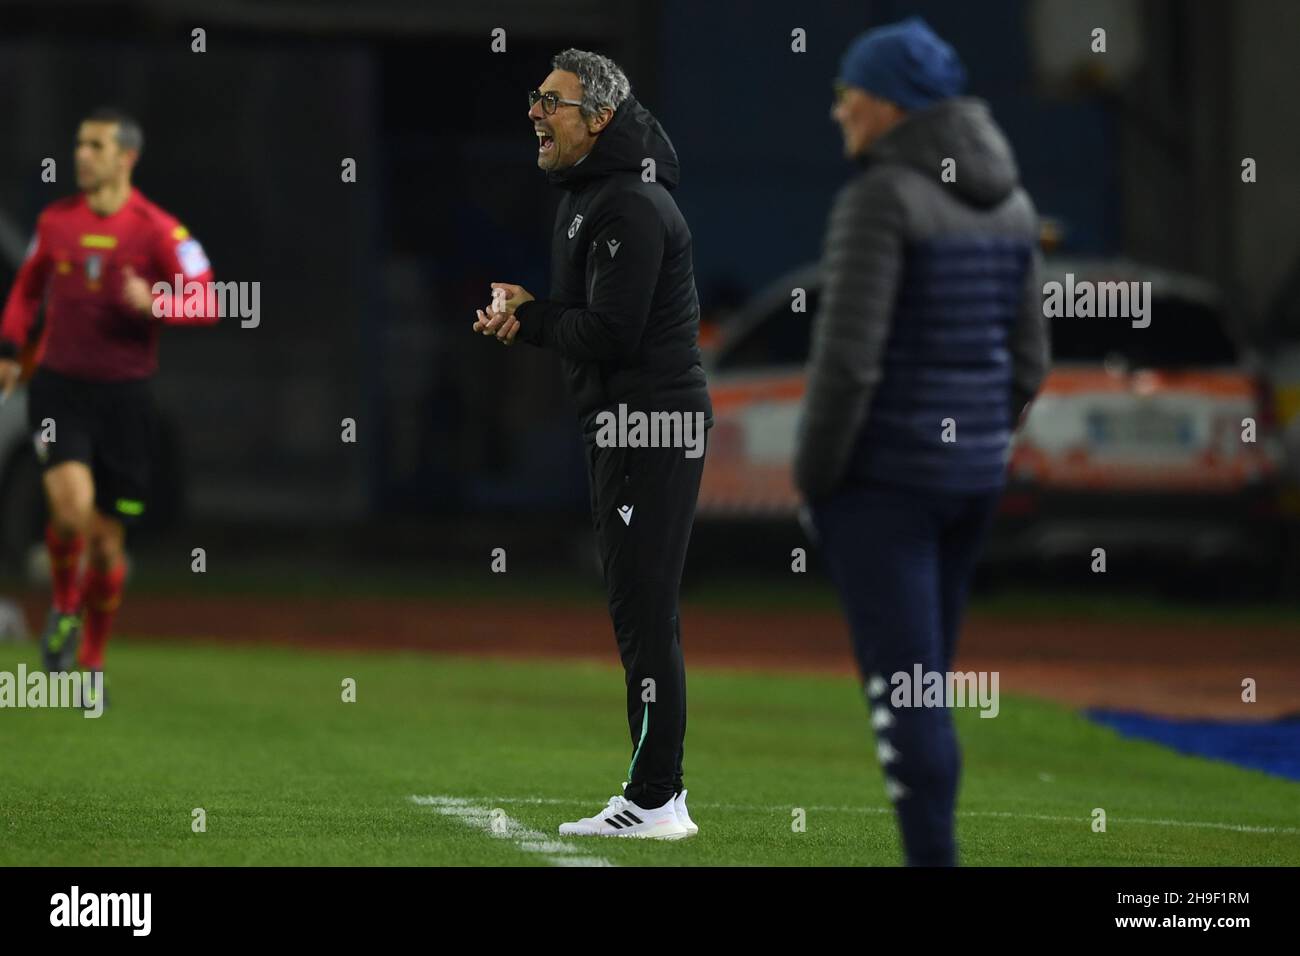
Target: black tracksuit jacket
column 623, row 312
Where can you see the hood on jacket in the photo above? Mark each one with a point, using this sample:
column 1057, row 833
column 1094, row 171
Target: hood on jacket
column 961, row 128
column 632, row 136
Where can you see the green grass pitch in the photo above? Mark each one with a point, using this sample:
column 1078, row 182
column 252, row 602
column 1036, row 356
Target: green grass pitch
column 287, row 773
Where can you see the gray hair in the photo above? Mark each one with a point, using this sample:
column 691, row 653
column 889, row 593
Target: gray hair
column 604, row 84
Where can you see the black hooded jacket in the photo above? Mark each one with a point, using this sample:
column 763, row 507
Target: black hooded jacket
column 623, row 312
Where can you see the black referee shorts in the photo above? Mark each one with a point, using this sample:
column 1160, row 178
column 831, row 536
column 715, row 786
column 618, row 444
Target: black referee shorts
column 112, row 427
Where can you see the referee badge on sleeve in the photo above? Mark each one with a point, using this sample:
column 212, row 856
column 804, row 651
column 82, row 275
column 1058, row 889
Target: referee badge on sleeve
column 193, row 260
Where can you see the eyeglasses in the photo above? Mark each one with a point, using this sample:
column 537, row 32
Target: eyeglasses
column 550, row 101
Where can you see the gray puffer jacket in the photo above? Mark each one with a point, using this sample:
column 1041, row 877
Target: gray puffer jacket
column 930, row 337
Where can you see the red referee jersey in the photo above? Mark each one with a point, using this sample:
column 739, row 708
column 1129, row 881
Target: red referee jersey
column 75, row 266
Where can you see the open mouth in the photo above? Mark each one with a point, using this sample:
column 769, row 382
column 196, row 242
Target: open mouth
column 545, row 141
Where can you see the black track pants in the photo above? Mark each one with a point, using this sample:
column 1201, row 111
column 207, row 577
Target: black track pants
column 643, row 507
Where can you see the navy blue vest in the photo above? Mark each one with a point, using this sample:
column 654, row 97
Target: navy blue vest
column 947, row 357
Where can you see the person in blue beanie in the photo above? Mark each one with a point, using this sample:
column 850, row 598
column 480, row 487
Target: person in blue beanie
column 928, row 344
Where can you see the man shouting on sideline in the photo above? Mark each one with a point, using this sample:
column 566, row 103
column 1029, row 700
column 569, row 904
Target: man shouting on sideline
column 624, row 316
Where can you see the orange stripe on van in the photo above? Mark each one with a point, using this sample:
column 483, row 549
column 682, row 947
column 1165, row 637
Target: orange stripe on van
column 1075, row 381
column 739, row 394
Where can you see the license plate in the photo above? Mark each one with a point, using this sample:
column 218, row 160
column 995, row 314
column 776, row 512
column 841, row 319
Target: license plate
column 1147, row 428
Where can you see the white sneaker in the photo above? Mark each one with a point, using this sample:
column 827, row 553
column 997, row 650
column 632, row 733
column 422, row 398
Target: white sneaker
column 684, row 818
column 623, row 818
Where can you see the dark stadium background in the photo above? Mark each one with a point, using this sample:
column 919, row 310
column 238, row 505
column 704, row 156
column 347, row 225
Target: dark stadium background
column 368, row 289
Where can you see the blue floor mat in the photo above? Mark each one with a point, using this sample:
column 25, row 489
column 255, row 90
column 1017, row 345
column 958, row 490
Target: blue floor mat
column 1273, row 746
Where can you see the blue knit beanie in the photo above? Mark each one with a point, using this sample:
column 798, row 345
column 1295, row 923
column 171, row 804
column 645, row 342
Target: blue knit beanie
column 906, row 63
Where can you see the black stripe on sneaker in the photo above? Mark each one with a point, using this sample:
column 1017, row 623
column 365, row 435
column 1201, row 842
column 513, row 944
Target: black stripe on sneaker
column 623, row 819
column 616, row 823
column 631, row 816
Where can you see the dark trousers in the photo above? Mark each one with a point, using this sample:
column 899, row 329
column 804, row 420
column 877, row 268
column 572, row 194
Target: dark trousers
column 643, row 507
column 902, row 561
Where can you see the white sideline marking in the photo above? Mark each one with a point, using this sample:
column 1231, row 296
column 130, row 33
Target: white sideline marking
column 1236, row 827
column 502, row 827
column 1050, row 818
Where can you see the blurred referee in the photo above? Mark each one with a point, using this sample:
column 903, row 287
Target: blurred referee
column 624, row 317
column 929, row 343
column 92, row 264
